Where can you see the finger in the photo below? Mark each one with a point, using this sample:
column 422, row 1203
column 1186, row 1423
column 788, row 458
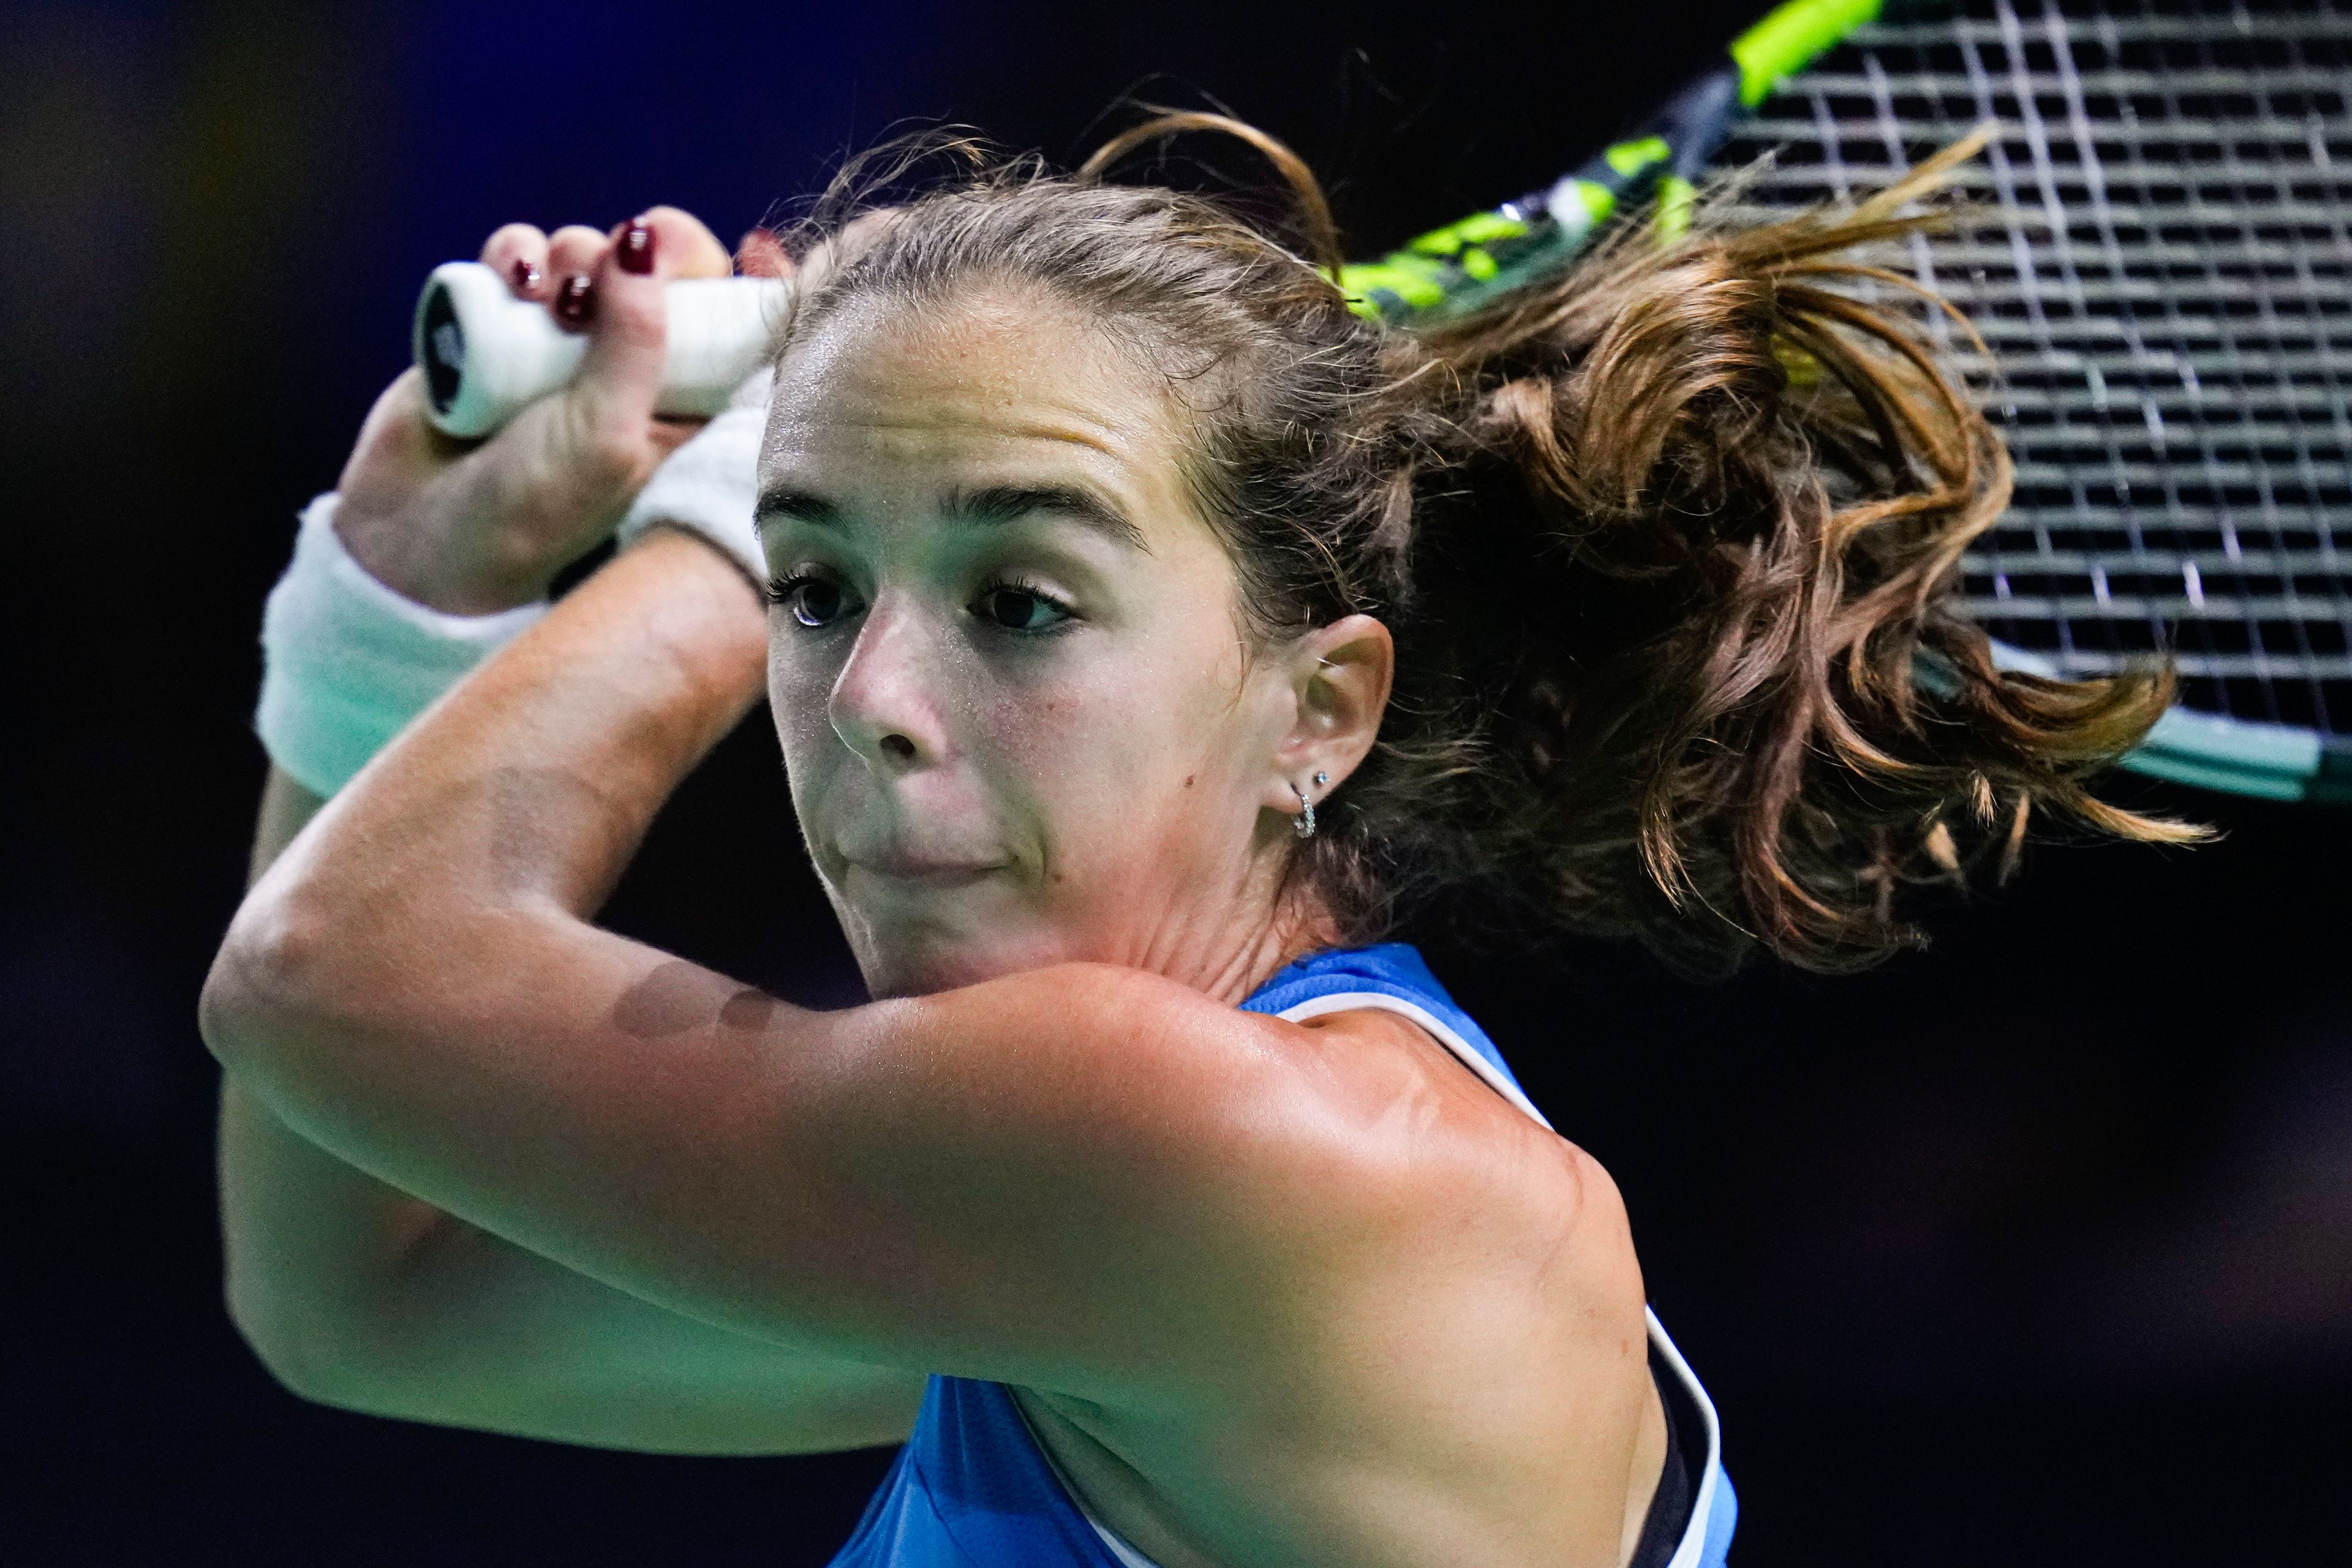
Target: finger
column 574, row 252
column 686, row 244
column 395, row 429
column 763, row 255
column 519, row 254
column 398, row 450
column 619, row 375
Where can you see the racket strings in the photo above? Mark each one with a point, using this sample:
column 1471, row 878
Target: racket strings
column 2157, row 258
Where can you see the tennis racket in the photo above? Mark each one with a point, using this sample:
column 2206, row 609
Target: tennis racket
column 2158, row 257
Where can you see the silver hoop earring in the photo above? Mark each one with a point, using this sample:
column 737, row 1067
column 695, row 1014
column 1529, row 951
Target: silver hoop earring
column 1304, row 823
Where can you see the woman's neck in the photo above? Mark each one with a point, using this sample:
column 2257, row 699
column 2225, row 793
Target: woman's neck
column 1300, row 923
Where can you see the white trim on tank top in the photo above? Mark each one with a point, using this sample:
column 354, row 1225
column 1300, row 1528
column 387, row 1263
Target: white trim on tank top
column 1693, row 1545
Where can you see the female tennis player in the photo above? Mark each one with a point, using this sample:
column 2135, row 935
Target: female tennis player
column 1146, row 633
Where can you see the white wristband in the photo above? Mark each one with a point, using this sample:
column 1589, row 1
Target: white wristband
column 711, row 486
column 347, row 662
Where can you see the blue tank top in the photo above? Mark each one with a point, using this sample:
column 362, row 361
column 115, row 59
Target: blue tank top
column 972, row 1488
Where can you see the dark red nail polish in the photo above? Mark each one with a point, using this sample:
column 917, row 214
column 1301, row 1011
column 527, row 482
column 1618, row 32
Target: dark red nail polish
column 634, row 249
column 576, row 303
column 526, row 276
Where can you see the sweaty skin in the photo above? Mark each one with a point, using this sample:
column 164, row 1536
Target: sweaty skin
column 1271, row 1293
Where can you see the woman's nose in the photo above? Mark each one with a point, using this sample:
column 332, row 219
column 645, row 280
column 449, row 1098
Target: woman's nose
column 884, row 704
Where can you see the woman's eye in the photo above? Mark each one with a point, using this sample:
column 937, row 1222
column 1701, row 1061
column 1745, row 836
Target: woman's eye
column 1019, row 609
column 814, row 601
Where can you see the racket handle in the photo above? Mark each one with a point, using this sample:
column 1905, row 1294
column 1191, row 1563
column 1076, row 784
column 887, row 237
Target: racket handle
column 486, row 355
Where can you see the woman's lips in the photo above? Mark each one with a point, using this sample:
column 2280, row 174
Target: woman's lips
column 915, row 871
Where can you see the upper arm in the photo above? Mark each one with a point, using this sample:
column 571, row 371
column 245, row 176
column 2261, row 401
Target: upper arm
column 356, row 1295
column 1082, row 1178
column 479, row 1333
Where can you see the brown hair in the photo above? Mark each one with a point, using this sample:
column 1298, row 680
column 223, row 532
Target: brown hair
column 1666, row 543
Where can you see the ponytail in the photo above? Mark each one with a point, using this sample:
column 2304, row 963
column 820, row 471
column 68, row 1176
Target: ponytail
column 1757, row 710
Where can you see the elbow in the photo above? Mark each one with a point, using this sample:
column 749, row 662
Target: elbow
column 342, row 1351
column 329, row 1343
column 268, row 982
column 290, row 1356
column 307, row 1352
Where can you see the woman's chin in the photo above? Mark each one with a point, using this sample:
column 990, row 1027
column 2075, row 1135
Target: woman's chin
column 912, row 950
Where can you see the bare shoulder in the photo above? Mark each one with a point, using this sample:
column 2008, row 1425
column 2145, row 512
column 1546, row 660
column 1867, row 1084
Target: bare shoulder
column 1344, row 1143
column 1444, row 1309
column 1366, row 1099
column 1163, row 1067
column 1541, row 1210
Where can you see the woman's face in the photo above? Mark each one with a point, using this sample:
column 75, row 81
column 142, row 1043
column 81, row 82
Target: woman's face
column 1020, row 717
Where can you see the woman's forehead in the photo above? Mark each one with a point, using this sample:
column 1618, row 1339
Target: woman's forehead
column 998, row 388
column 993, row 360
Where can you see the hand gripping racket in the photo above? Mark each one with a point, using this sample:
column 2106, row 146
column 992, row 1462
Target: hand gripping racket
column 485, row 353
column 2158, row 258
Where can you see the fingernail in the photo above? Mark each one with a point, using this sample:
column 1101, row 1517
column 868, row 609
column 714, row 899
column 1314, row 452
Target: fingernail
column 526, row 276
column 634, row 249
column 576, row 303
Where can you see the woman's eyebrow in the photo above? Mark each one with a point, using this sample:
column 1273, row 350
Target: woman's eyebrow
column 798, row 505
column 1005, row 503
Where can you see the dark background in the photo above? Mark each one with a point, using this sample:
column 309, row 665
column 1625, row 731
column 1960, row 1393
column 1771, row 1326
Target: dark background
column 2035, row 1247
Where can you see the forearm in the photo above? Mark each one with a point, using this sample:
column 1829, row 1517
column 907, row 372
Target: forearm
column 307, row 1239
column 535, row 780
column 521, row 796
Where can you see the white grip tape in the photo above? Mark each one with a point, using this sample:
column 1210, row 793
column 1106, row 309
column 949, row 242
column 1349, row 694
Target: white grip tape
column 711, row 486
column 347, row 662
column 486, row 355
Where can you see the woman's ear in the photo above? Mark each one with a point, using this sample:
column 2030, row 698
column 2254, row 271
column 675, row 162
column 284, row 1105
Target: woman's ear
column 1339, row 676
